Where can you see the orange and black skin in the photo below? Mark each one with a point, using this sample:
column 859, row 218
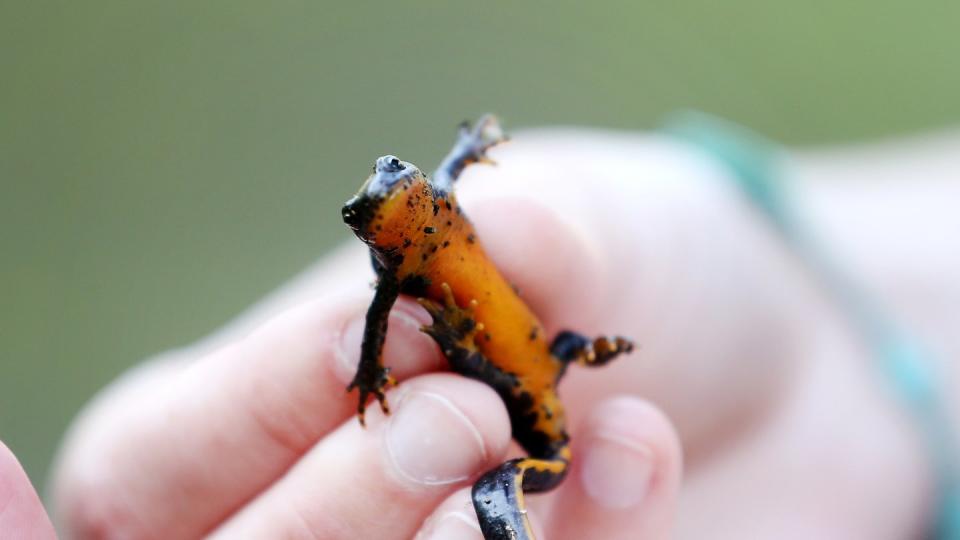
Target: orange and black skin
column 422, row 245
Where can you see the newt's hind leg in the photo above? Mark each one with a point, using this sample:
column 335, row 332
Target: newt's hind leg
column 498, row 494
column 573, row 347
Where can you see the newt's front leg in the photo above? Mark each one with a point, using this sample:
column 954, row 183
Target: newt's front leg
column 372, row 376
column 471, row 147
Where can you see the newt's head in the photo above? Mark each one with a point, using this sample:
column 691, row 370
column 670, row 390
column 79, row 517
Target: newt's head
column 394, row 201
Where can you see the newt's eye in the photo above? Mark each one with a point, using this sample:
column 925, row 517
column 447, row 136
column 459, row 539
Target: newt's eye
column 388, row 173
column 389, row 164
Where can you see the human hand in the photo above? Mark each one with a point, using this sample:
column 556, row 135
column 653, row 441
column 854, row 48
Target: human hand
column 250, row 433
column 21, row 514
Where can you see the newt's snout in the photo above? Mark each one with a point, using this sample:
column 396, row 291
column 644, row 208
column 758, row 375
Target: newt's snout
column 358, row 211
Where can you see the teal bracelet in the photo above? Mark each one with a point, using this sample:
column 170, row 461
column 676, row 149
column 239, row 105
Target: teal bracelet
column 756, row 164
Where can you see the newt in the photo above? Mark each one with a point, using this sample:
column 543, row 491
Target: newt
column 422, row 245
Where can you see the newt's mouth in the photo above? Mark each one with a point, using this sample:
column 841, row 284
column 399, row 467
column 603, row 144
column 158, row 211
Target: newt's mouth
column 359, row 211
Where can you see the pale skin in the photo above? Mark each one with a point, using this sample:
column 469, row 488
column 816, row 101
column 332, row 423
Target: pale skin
column 742, row 362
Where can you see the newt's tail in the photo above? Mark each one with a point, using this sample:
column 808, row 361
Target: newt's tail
column 498, row 494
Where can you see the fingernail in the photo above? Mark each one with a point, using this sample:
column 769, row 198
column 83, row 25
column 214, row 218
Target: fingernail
column 453, row 526
column 432, row 442
column 616, row 472
column 404, row 346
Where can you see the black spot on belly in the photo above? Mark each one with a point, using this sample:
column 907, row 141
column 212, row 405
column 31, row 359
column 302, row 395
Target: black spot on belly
column 415, row 285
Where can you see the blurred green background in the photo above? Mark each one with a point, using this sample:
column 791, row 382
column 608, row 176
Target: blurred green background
column 164, row 164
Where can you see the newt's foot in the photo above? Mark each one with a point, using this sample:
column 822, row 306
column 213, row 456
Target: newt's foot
column 452, row 325
column 573, row 347
column 372, row 381
column 471, row 147
column 607, row 348
column 474, row 142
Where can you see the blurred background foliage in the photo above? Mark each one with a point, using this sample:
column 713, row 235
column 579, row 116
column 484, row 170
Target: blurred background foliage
column 164, row 164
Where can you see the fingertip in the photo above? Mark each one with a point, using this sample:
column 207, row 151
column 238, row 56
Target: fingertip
column 626, row 473
column 637, row 419
column 444, row 420
column 21, row 512
column 454, row 519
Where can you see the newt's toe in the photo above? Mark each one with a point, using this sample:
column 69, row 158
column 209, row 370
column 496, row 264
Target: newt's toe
column 372, row 382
